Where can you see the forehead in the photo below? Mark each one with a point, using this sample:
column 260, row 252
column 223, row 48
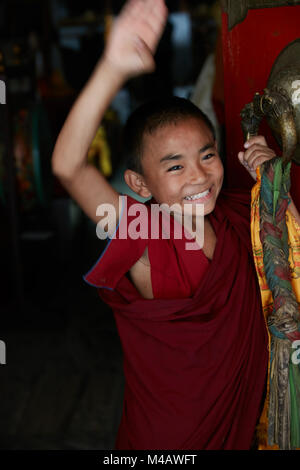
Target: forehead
column 179, row 132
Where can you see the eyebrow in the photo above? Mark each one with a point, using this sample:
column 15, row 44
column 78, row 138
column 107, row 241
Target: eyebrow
column 178, row 156
column 210, row 145
column 175, row 156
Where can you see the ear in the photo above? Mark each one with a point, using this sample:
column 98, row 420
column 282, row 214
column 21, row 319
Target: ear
column 137, row 183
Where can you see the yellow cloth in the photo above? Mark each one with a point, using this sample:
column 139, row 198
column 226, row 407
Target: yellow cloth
column 266, row 295
column 99, row 153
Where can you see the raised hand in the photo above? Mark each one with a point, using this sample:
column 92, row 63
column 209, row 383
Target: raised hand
column 134, row 37
column 257, row 152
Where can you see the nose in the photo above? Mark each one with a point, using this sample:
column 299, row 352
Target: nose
column 197, row 174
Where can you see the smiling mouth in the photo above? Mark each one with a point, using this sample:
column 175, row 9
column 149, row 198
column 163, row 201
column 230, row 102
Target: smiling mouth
column 194, row 197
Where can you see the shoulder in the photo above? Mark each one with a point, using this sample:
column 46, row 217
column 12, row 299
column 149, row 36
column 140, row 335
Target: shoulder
column 124, row 248
column 235, row 202
column 235, row 207
column 236, row 197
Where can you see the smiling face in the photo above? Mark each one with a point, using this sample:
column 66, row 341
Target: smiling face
column 181, row 165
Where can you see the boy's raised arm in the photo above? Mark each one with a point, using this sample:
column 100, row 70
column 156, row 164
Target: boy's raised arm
column 128, row 53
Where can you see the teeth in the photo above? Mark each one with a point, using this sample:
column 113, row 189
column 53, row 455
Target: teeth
column 197, row 196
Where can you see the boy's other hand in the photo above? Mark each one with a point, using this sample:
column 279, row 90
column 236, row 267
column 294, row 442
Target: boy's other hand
column 257, row 152
column 134, row 37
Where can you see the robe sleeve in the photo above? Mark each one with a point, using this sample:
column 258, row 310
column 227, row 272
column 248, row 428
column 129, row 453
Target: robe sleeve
column 122, row 251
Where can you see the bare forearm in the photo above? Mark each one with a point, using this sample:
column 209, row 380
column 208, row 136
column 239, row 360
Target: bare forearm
column 72, row 145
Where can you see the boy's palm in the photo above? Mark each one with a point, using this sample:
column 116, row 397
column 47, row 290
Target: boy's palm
column 135, row 35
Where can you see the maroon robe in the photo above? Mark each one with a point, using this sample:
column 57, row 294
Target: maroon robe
column 195, row 356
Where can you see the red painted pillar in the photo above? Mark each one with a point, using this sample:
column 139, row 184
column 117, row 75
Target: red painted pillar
column 249, row 51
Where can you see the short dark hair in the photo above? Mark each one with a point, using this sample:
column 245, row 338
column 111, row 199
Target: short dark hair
column 149, row 117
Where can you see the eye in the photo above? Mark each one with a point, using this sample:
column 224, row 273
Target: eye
column 175, row 168
column 208, row 156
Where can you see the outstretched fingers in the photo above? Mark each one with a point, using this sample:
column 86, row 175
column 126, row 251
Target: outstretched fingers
column 156, row 18
column 135, row 35
column 146, row 18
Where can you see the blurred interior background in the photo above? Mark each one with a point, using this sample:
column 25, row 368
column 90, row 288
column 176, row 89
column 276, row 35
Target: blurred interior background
column 61, row 386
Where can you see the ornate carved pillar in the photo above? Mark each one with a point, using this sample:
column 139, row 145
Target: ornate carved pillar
column 254, row 32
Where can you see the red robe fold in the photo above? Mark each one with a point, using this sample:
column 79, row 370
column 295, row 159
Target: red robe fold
column 195, row 364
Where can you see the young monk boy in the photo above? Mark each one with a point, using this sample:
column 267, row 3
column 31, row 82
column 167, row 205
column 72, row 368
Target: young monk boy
column 190, row 321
